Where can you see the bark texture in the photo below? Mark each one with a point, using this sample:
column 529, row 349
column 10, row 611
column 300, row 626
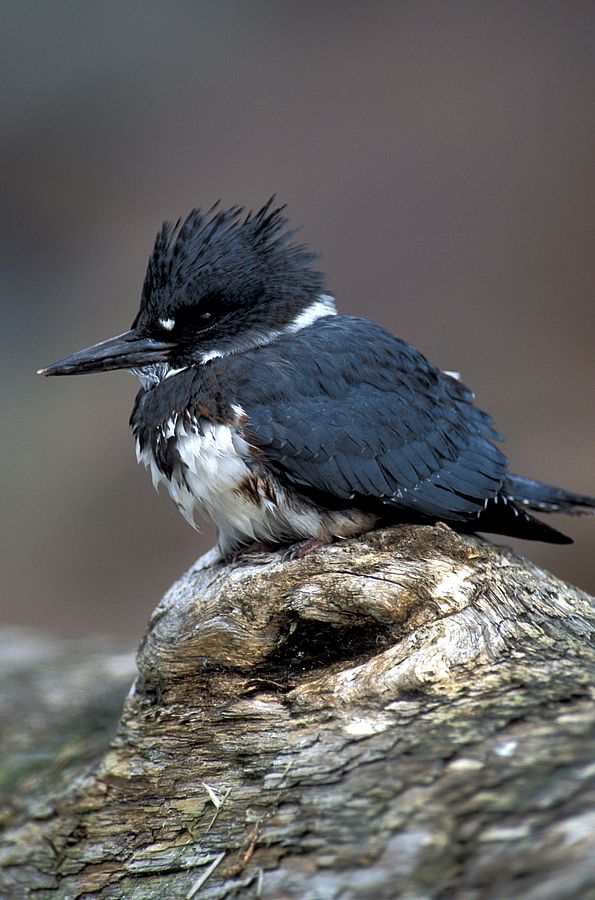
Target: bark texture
column 409, row 714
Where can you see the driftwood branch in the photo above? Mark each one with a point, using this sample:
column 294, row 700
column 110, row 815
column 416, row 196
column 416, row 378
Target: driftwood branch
column 410, row 714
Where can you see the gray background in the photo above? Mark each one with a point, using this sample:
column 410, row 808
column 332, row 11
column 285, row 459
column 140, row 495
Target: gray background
column 439, row 156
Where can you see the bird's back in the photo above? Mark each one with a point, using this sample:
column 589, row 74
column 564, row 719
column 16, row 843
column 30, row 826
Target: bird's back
column 340, row 417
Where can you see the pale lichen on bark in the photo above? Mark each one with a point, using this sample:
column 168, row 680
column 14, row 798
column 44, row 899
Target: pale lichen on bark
column 407, row 714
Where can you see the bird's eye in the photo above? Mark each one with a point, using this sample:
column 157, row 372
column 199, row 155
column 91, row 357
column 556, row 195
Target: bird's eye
column 201, row 319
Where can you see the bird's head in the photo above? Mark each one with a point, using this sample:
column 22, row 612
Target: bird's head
column 218, row 283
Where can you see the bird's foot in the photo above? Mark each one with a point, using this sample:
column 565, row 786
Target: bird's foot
column 251, row 549
column 303, row 548
column 294, row 551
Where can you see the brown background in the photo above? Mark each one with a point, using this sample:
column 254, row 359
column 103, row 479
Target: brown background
column 439, row 156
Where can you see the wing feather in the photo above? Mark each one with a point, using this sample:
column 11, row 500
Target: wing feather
column 354, row 413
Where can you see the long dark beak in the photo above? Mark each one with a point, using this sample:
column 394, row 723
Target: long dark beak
column 126, row 351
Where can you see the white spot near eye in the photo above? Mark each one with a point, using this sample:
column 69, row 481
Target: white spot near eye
column 167, row 324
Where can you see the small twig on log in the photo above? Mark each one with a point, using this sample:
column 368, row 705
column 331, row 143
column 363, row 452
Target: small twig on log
column 204, row 878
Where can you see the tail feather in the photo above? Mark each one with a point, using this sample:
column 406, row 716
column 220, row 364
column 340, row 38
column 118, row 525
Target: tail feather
column 504, row 516
column 546, row 498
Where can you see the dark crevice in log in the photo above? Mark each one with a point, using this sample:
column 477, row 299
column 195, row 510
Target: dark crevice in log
column 311, row 647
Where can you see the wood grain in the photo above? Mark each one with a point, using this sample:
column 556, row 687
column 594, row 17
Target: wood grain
column 409, row 714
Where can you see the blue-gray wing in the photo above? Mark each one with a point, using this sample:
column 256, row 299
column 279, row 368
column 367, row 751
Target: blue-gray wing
column 347, row 412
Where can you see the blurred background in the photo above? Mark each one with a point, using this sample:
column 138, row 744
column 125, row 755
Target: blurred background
column 438, row 155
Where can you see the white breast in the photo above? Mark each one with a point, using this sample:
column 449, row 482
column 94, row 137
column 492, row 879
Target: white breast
column 214, row 465
column 213, row 468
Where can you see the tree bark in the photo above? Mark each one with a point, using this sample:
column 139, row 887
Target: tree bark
column 409, row 714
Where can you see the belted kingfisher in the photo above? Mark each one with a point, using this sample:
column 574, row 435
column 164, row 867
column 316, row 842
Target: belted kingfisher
column 286, row 423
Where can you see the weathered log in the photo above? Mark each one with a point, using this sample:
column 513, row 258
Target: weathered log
column 410, row 714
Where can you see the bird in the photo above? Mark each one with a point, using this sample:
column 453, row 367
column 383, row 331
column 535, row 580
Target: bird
column 287, row 424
